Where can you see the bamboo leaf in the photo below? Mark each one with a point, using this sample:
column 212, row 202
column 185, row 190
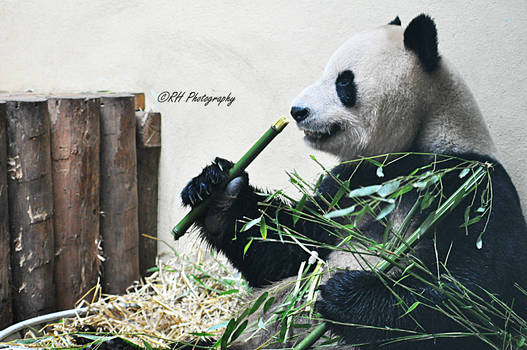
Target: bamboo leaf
column 228, row 292
column 466, row 216
column 299, row 207
column 340, row 193
column 464, row 173
column 217, row 326
column 261, row 324
column 360, row 215
column 272, row 196
column 385, row 211
column 147, row 346
column 405, row 189
column 263, row 228
column 340, row 212
column 521, row 342
column 410, row 309
column 231, row 325
column 268, row 304
column 283, row 330
column 420, row 185
column 258, row 302
column 427, row 201
column 379, row 172
column 408, row 268
column 250, row 224
column 388, row 188
column 472, row 221
column 246, row 248
column 364, row 191
column 374, row 162
column 239, row 330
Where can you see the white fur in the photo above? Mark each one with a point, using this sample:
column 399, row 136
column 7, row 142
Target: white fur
column 398, row 104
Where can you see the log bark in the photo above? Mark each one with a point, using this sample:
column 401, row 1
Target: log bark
column 148, row 129
column 75, row 140
column 139, row 101
column 6, row 311
column 30, row 195
column 119, row 223
column 148, row 152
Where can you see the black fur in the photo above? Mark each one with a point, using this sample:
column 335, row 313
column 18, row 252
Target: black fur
column 207, row 182
column 421, row 37
column 396, row 21
column 264, row 262
column 350, row 296
column 360, row 297
column 346, row 88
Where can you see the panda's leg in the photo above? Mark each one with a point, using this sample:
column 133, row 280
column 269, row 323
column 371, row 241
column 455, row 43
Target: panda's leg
column 361, row 298
column 263, row 261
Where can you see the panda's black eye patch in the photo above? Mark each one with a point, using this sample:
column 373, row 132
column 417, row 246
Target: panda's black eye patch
column 346, row 88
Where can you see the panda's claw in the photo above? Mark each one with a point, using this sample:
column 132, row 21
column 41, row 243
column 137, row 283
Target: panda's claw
column 204, row 188
column 207, row 182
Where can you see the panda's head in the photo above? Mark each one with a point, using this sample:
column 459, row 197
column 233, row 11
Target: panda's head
column 374, row 92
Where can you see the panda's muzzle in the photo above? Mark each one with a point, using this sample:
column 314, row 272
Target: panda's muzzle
column 317, row 136
column 299, row 113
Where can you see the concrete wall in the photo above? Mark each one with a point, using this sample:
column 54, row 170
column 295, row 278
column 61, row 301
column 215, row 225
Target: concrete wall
column 263, row 53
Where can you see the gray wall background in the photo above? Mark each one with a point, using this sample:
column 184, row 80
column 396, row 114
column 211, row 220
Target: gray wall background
column 263, row 53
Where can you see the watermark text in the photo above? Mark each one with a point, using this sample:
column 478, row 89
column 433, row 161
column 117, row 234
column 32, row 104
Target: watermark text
column 195, row 97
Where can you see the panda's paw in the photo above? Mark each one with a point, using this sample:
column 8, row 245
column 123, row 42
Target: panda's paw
column 209, row 181
column 354, row 299
column 346, row 296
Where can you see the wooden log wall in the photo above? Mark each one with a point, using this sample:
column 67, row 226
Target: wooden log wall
column 119, row 222
column 75, row 135
column 148, row 153
column 81, row 186
column 30, row 207
column 6, row 315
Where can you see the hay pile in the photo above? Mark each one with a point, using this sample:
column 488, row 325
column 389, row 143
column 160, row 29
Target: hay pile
column 184, row 297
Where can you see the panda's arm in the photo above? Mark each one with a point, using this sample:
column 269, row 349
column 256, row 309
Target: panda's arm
column 264, row 261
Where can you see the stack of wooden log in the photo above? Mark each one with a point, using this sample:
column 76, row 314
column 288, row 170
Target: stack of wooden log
column 78, row 187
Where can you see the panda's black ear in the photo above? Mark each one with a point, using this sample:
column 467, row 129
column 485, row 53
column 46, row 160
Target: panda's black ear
column 421, row 37
column 396, row 21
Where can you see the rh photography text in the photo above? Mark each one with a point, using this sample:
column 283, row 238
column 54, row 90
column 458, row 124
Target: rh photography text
column 195, row 97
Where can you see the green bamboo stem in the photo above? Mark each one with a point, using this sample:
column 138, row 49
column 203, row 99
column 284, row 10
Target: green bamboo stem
column 238, row 168
column 466, row 188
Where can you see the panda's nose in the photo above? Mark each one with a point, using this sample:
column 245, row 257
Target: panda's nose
column 299, row 113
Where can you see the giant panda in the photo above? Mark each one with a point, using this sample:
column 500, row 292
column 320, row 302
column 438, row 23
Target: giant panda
column 384, row 90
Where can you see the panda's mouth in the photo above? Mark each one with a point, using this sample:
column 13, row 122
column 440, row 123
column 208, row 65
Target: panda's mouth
column 317, row 136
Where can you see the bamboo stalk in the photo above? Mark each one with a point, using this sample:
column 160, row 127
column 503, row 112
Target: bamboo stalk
column 465, row 189
column 182, row 227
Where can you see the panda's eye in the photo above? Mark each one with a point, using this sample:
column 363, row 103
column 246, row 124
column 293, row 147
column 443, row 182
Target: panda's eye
column 346, row 88
column 345, row 78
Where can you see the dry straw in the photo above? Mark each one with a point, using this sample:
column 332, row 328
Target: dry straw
column 185, row 296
